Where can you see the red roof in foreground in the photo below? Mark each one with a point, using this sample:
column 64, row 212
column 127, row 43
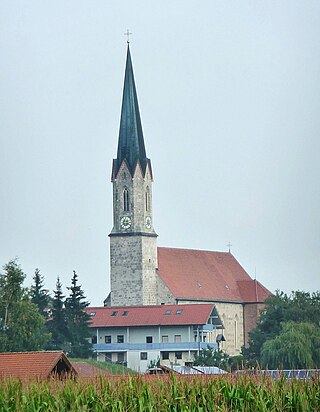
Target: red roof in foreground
column 199, row 274
column 25, row 365
column 150, row 315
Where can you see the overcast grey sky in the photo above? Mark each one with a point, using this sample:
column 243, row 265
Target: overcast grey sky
column 229, row 98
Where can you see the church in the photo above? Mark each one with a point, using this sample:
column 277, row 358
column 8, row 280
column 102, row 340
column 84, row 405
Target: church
column 145, row 275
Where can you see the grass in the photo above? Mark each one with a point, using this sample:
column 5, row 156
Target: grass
column 157, row 394
column 111, row 368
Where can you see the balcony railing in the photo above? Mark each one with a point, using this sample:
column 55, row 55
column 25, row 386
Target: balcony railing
column 164, row 346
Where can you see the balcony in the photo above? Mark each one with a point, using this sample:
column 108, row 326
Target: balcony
column 165, row 346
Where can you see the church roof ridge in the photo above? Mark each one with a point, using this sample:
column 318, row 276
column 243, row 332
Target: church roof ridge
column 195, row 250
column 131, row 145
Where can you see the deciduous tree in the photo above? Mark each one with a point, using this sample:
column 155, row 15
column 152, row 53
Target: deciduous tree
column 21, row 325
column 296, row 347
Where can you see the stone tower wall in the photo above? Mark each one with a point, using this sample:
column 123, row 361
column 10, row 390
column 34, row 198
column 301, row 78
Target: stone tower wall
column 133, row 251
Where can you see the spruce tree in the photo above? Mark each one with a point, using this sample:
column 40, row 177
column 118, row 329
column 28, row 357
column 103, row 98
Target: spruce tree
column 39, row 295
column 78, row 320
column 57, row 323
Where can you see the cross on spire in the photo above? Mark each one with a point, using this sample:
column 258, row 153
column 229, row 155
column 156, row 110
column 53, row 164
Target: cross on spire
column 128, row 34
column 229, row 246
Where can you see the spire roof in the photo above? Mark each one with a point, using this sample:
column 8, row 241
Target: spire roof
column 131, row 147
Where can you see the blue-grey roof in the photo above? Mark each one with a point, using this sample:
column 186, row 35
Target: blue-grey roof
column 131, row 143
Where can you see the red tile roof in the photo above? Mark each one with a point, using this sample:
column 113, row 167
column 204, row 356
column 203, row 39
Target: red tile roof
column 25, row 365
column 150, row 315
column 203, row 275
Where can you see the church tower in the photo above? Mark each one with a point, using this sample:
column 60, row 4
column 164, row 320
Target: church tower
column 133, row 241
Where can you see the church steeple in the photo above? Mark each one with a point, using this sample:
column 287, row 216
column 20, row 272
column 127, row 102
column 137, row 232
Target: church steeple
column 133, row 241
column 131, row 148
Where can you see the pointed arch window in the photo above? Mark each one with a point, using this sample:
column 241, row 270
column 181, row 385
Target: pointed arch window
column 126, row 200
column 147, row 199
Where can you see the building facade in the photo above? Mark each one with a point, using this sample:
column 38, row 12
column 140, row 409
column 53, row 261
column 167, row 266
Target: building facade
column 140, row 336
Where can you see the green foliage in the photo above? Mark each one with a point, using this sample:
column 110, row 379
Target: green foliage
column 297, row 307
column 296, row 347
column 77, row 320
column 211, row 357
column 57, row 324
column 174, row 394
column 39, row 295
column 21, row 325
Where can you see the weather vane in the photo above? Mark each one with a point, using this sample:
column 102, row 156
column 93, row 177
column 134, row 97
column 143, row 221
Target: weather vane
column 128, row 34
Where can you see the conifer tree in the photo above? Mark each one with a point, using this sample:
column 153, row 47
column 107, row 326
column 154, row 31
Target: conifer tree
column 57, row 324
column 78, row 320
column 39, row 295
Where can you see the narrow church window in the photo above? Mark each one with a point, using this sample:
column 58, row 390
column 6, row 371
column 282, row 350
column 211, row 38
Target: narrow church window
column 236, row 332
column 147, row 199
column 126, row 200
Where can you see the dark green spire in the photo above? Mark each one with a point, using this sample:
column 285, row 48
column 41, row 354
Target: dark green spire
column 131, row 144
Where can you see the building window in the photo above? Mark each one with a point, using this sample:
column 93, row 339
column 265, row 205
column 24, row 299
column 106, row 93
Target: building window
column 107, row 339
column 168, row 312
column 147, row 199
column 165, row 338
column 143, row 355
column 178, row 312
column 124, row 313
column 114, row 313
column 165, row 355
column 92, row 314
column 121, row 357
column 94, row 340
column 120, row 338
column 149, row 339
column 178, row 355
column 126, row 200
column 177, row 338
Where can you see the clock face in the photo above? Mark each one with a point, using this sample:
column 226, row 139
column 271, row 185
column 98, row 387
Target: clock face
column 125, row 222
column 148, row 222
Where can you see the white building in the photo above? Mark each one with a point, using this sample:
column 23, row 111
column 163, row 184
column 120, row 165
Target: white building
column 137, row 335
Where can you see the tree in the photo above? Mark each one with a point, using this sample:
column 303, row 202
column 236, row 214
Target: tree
column 21, row 325
column 39, row 295
column 296, row 347
column 212, row 357
column 77, row 320
column 280, row 308
column 57, row 324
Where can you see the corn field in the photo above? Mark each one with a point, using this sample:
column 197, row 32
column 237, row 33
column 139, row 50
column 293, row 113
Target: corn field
column 169, row 394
